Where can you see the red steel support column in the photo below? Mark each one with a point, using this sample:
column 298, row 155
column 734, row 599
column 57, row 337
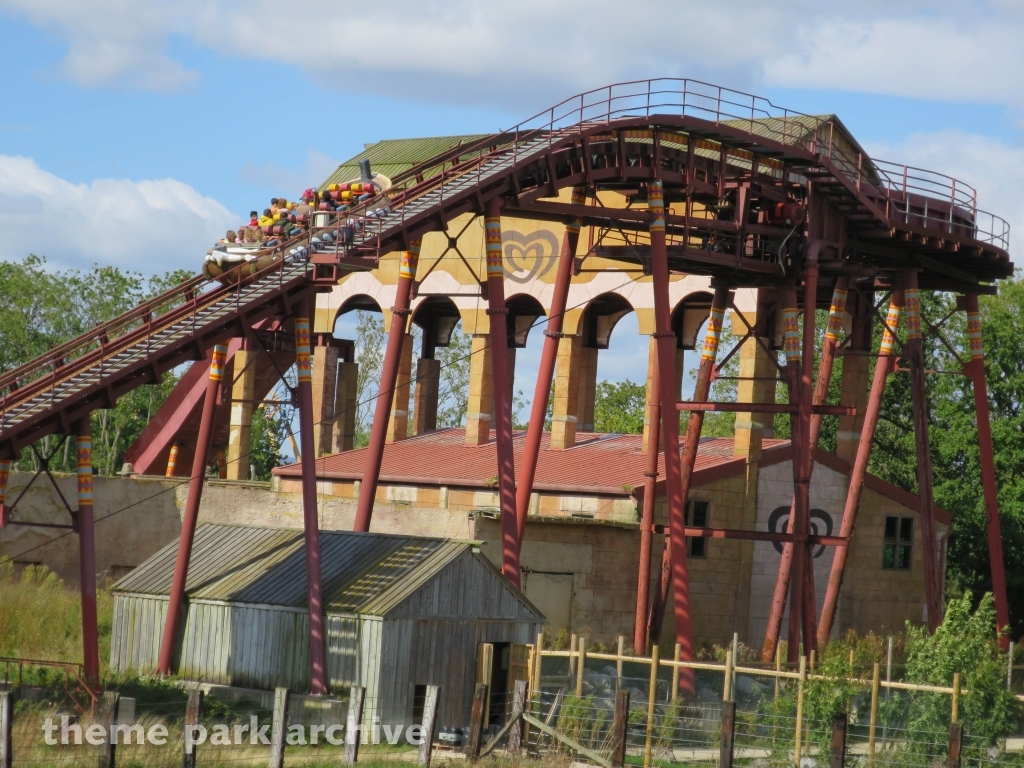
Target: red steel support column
column 666, row 345
column 976, row 370
column 825, row 367
column 510, row 542
column 87, row 552
column 5, row 474
column 797, row 575
column 386, row 392
column 188, row 522
column 919, row 397
column 538, row 411
column 872, row 411
column 643, row 585
column 311, row 522
column 802, row 471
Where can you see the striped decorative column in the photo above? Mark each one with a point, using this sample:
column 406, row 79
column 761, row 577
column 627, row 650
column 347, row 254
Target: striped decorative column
column 311, row 521
column 883, row 366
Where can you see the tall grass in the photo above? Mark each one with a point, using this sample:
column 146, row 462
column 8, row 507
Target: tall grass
column 40, row 618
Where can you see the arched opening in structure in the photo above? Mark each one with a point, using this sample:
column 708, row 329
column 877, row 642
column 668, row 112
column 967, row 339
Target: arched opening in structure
column 525, row 334
column 613, row 366
column 437, row 367
column 360, row 320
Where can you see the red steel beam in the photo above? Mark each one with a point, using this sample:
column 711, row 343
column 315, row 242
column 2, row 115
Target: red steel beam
column 188, row 523
column 647, row 518
column 666, row 347
column 311, row 523
column 5, row 476
column 386, row 392
column 818, row 410
column 498, row 315
column 975, row 368
column 538, row 411
column 919, row 398
column 872, row 411
column 87, row 551
column 738, row 533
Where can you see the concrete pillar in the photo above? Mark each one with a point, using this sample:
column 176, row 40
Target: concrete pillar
column 854, row 391
column 242, row 404
column 345, row 405
column 428, row 383
column 587, row 392
column 757, row 365
column 652, row 355
column 398, row 424
column 325, row 386
column 481, row 391
column 564, row 413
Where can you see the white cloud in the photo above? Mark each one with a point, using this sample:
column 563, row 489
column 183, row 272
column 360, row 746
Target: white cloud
column 151, row 226
column 318, row 167
column 990, row 165
column 523, row 53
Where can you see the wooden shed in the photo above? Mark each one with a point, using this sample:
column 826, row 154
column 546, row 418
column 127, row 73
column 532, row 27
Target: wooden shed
column 400, row 613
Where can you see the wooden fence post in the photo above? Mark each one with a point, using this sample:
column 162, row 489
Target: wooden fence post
column 727, row 678
column 107, row 718
column 955, row 714
column 572, row 657
column 277, row 730
column 356, row 699
column 675, row 673
column 515, row 735
column 956, row 737
column 837, row 757
column 6, row 723
column 876, row 679
column 193, row 714
column 620, row 651
column 429, row 725
column 620, row 728
column 799, row 711
column 476, row 722
column 652, row 692
column 728, row 734
column 581, row 665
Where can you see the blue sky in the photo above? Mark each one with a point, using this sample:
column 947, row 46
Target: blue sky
column 134, row 133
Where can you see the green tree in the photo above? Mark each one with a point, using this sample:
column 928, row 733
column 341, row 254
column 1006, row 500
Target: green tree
column 619, row 407
column 267, row 438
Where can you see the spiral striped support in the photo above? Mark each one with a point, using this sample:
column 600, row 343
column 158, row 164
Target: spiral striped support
column 492, row 246
column 656, row 204
column 83, row 455
column 973, row 337
column 172, row 460
column 220, row 354
column 579, row 197
column 836, row 313
column 714, row 334
column 410, row 260
column 791, row 334
column 892, row 321
column 302, row 363
column 912, row 308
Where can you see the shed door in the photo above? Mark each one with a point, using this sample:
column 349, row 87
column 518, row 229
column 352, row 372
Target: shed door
column 484, row 671
column 518, row 665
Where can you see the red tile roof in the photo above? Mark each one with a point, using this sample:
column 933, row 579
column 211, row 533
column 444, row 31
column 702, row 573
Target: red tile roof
column 596, row 464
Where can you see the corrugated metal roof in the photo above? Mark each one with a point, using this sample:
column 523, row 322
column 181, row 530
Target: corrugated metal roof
column 393, row 156
column 598, row 463
column 366, row 573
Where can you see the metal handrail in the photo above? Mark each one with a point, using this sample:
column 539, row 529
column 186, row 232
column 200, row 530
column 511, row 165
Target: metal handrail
column 71, row 669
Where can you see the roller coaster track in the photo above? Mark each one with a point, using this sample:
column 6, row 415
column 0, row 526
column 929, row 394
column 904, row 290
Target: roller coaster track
column 623, row 134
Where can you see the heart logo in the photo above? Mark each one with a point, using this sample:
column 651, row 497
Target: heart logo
column 528, row 257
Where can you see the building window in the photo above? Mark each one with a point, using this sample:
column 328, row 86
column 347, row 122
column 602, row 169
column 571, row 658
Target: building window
column 899, row 539
column 697, row 517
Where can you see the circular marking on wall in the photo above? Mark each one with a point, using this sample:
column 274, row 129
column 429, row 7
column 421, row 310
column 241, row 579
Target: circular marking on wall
column 821, row 525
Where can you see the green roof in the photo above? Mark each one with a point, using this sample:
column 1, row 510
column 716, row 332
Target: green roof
column 393, row 156
column 362, row 573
